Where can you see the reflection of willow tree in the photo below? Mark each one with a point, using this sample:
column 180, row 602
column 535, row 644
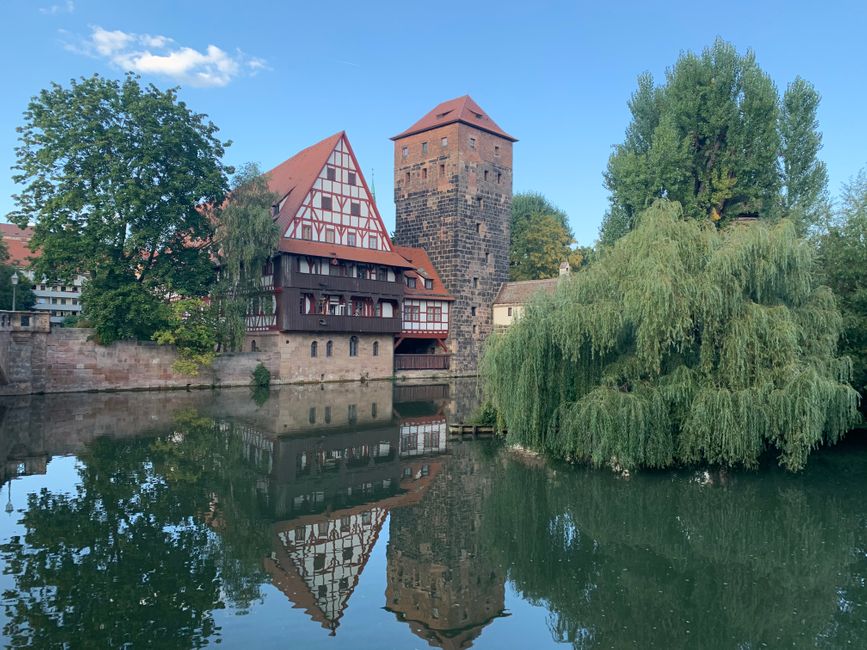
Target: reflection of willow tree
column 132, row 556
column 639, row 563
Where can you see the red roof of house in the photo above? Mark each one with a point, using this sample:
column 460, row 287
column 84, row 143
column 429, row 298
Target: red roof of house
column 462, row 109
column 522, row 291
column 353, row 253
column 17, row 242
column 293, row 178
column 422, row 269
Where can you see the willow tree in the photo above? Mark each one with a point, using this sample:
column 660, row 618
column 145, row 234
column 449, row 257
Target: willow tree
column 683, row 343
column 247, row 237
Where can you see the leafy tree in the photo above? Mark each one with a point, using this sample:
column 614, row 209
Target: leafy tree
column 682, row 344
column 192, row 328
column 713, row 138
column 113, row 175
column 24, row 298
column 247, row 237
column 540, row 238
column 122, row 309
column 805, row 178
column 843, row 254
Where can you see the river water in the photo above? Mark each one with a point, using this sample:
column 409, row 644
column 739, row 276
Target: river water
column 343, row 516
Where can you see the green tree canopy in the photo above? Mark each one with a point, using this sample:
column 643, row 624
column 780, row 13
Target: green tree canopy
column 843, row 253
column 113, row 174
column 716, row 138
column 683, row 343
column 540, row 238
column 247, row 237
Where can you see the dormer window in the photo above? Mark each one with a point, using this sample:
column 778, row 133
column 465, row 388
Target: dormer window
column 410, row 282
column 428, row 284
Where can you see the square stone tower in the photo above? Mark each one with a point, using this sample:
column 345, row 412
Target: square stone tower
column 453, row 197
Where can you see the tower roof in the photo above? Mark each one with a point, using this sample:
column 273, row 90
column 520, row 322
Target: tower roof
column 462, row 109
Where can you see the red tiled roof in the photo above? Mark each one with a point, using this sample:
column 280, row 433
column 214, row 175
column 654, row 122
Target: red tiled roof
column 462, row 109
column 293, row 178
column 422, row 269
column 520, row 293
column 353, row 253
column 17, row 241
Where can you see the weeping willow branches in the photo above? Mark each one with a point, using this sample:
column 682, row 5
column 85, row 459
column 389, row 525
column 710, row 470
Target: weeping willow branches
column 682, row 344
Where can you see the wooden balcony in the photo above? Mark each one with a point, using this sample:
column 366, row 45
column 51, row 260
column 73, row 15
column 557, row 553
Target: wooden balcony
column 344, row 285
column 350, row 324
column 421, row 361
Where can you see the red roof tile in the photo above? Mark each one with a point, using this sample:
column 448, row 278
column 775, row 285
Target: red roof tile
column 520, row 293
column 17, row 241
column 293, row 178
column 422, row 269
column 353, row 253
column 462, row 109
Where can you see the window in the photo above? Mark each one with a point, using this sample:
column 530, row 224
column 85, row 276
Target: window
column 472, row 143
column 411, row 313
column 311, row 415
column 424, row 172
column 373, row 409
column 475, row 329
column 352, row 412
column 307, row 232
column 478, row 229
column 486, row 174
column 509, row 312
column 496, row 150
column 350, row 178
column 499, row 177
column 428, row 284
column 350, row 239
column 442, row 169
column 410, row 282
column 327, row 415
column 319, row 562
column 407, row 177
column 404, row 152
column 423, row 148
column 373, row 243
column 444, row 142
column 326, row 203
column 329, row 348
column 434, row 314
column 329, row 235
column 376, row 348
column 475, row 283
column 330, row 174
column 353, row 346
column 314, row 349
column 472, row 311
column 355, row 209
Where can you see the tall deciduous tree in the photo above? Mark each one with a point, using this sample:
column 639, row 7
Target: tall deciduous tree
column 540, row 238
column 113, row 174
column 716, row 138
column 843, row 253
column 684, row 343
column 247, row 237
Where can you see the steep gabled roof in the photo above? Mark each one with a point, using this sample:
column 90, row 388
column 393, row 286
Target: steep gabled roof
column 422, row 269
column 293, row 178
column 520, row 293
column 17, row 242
column 335, row 251
column 462, row 109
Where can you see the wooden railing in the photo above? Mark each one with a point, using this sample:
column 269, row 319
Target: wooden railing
column 421, row 361
column 350, row 324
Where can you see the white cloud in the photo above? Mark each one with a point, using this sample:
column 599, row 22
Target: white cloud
column 160, row 55
column 66, row 8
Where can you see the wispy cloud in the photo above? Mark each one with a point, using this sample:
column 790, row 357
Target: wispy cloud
column 65, row 8
column 162, row 56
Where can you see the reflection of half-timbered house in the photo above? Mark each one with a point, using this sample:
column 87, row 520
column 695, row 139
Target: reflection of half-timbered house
column 336, row 288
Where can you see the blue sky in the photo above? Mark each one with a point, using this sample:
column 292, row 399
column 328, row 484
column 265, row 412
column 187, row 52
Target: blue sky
column 279, row 76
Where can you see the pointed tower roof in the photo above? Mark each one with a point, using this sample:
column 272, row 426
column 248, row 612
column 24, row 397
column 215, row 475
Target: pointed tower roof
column 462, row 109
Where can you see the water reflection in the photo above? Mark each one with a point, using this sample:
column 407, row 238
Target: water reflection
column 181, row 507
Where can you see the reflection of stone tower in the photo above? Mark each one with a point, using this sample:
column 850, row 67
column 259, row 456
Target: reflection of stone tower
column 453, row 197
column 440, row 579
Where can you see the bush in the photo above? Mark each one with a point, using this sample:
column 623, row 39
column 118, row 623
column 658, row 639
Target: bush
column 193, row 331
column 261, row 377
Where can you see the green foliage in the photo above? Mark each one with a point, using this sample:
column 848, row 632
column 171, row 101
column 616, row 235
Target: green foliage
column 843, row 255
column 714, row 138
column 681, row 344
column 485, row 415
column 247, row 237
column 192, row 328
column 113, row 175
column 540, row 238
column 24, row 298
column 260, row 377
column 120, row 308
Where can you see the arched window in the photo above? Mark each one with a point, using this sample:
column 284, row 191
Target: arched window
column 329, row 348
column 376, row 348
column 353, row 346
column 253, row 347
column 314, row 349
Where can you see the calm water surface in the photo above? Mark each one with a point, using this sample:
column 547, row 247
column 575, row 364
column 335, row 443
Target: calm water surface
column 343, row 517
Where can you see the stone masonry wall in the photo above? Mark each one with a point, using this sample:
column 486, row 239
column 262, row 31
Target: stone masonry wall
column 456, row 203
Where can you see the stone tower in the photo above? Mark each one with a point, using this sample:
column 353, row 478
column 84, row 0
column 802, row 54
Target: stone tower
column 453, row 197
